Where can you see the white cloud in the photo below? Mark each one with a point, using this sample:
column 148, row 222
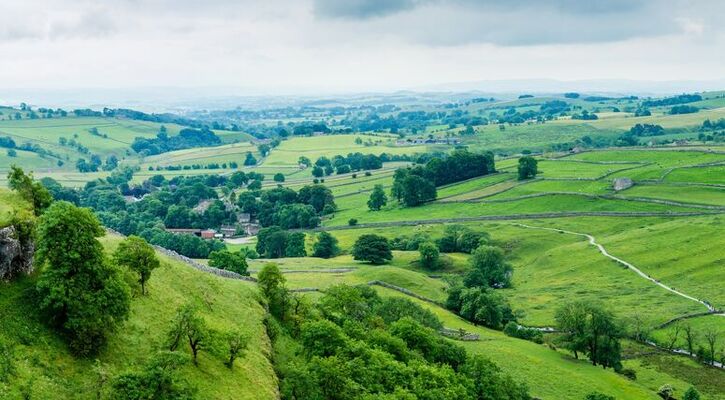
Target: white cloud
column 365, row 45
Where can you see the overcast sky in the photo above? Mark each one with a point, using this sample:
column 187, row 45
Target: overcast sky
column 355, row 44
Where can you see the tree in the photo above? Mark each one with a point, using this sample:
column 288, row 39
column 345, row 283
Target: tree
column 237, row 342
column 82, row 293
column 235, row 262
column 378, row 199
column 481, row 305
column 325, row 246
column 527, row 168
column 278, row 177
column 417, row 190
column 711, row 337
column 138, row 256
column 12, row 153
column 158, row 380
column 488, row 268
column 590, row 329
column 263, row 149
column 429, row 255
column 372, row 248
column 271, row 283
column 249, row 160
column 189, row 325
column 295, row 245
column 31, row 191
column 691, row 394
column 317, row 171
column 690, row 338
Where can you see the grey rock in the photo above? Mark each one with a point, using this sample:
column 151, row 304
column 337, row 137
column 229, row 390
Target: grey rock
column 15, row 257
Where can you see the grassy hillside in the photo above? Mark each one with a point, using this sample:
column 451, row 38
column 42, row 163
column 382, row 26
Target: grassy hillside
column 45, row 365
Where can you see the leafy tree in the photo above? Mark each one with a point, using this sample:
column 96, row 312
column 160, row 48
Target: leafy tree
column 325, row 246
column 157, row 380
column 271, row 282
column 589, row 329
column 237, row 342
column 82, row 293
column 691, row 394
column 429, row 255
column 317, row 196
column 322, row 338
column 417, row 190
column 138, row 256
column 318, row 172
column 378, row 199
column 480, row 305
column 372, row 248
column 31, row 191
column 488, row 268
column 249, row 160
column 235, row 262
column 527, row 168
column 295, row 245
column 263, row 149
column 489, row 382
column 392, row 309
column 189, row 326
column 279, row 177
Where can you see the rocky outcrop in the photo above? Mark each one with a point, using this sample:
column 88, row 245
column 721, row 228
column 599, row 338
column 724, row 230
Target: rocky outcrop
column 16, row 257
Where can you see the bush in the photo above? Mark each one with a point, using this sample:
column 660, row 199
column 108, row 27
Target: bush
column 629, row 373
column 514, row 330
column 352, row 221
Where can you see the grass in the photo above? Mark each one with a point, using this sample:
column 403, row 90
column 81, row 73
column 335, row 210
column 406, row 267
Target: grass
column 690, row 194
column 227, row 304
column 572, row 169
column 715, row 175
column 354, row 207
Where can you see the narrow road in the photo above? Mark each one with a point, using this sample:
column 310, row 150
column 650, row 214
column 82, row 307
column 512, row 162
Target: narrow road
column 602, row 250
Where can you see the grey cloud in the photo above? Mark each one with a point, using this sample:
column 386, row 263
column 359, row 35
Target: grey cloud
column 362, row 9
column 519, row 22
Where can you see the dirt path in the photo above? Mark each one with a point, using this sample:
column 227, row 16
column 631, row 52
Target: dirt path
column 639, row 272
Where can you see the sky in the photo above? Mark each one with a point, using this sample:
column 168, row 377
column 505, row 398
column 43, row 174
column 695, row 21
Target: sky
column 354, row 45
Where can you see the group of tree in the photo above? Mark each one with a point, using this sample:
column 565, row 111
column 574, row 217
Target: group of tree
column 187, row 138
column 589, row 329
column 415, row 186
column 344, row 164
column 275, row 242
column 230, row 261
column 585, row 115
column 355, row 344
column 670, row 101
column 287, row 208
column 630, row 138
column 474, row 296
column 683, row 109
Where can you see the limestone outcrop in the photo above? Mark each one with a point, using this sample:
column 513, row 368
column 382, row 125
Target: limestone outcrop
column 16, row 257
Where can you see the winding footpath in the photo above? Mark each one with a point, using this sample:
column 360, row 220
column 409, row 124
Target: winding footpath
column 602, row 250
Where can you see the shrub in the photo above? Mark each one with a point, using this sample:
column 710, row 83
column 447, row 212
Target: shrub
column 352, row 221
